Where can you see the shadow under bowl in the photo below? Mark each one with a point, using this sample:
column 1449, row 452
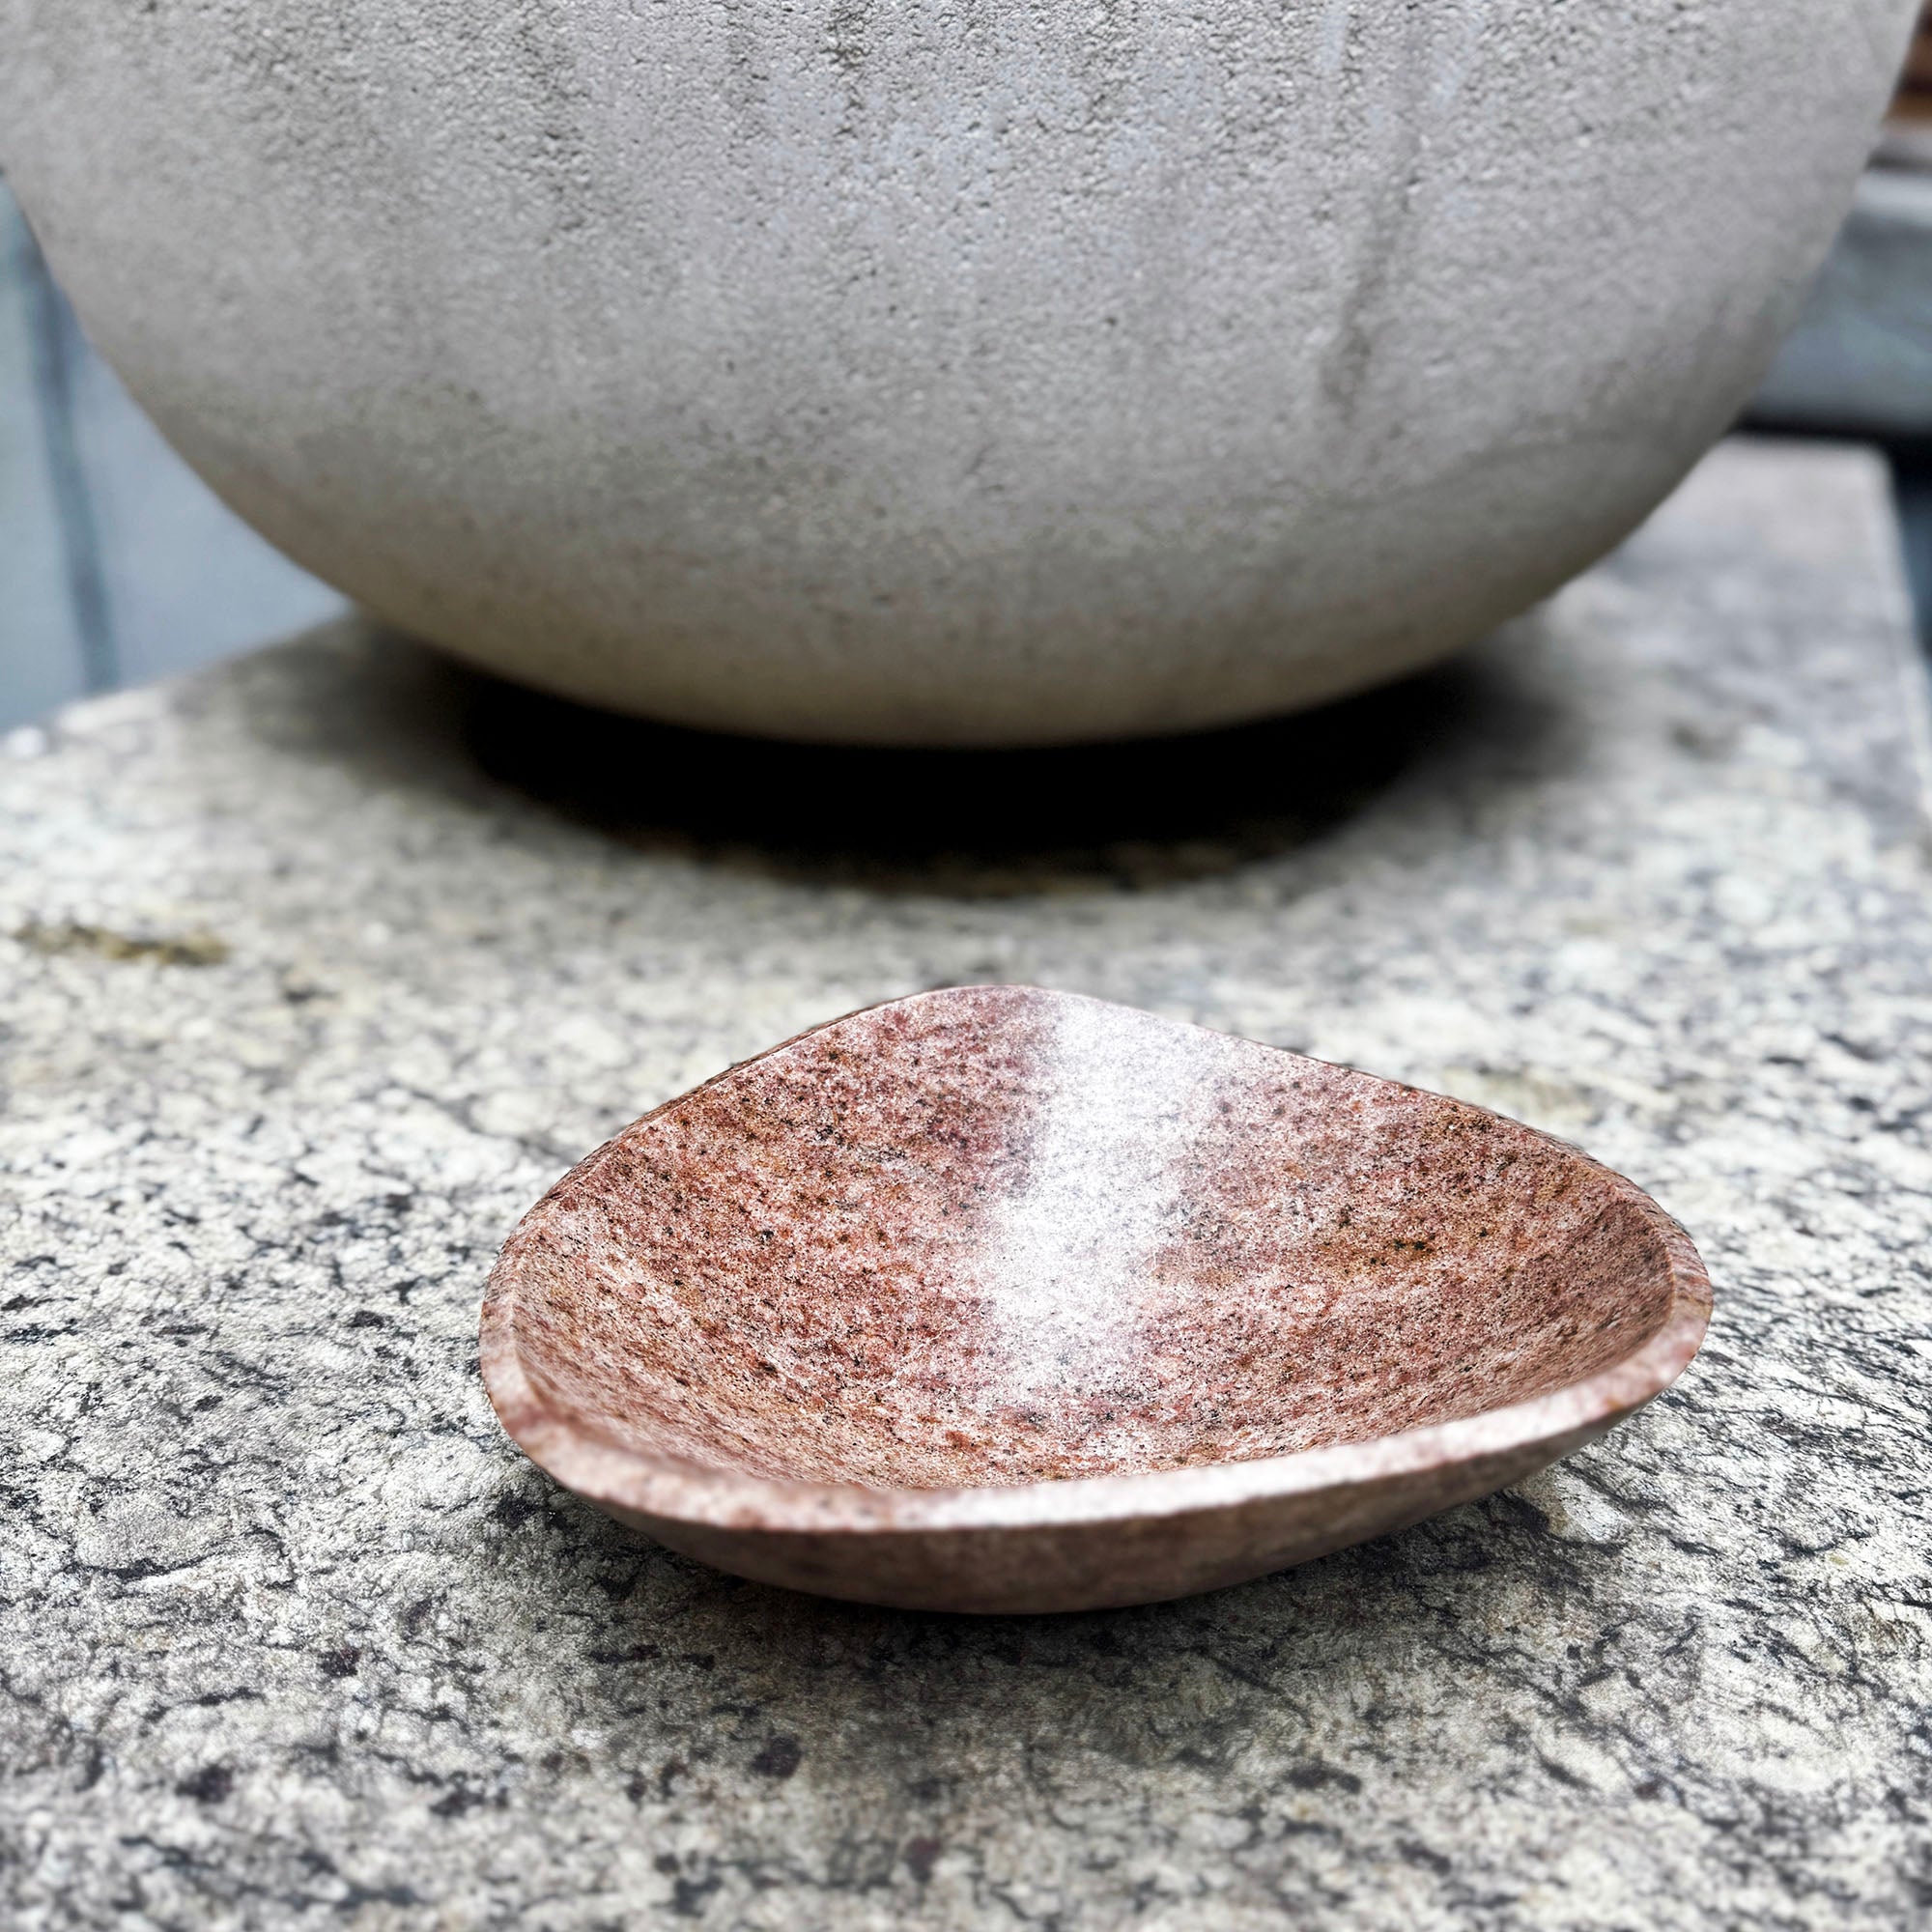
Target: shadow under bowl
column 1000, row 1299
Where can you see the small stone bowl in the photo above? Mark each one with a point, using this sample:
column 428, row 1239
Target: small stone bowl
column 998, row 1300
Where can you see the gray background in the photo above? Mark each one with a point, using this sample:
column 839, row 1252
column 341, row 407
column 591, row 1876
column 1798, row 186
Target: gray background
column 118, row 564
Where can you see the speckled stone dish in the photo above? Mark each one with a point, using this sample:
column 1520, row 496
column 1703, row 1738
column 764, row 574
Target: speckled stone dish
column 1001, row 1299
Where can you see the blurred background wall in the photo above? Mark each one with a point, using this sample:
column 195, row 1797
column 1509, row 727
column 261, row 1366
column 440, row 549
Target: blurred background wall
column 117, row 565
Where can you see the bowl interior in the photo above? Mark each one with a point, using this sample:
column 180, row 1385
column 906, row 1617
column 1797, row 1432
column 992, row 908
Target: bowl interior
column 996, row 1236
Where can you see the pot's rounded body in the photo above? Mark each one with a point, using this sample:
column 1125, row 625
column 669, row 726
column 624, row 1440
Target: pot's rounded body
column 897, row 372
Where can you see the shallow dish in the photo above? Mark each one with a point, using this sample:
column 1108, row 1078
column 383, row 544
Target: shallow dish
column 1001, row 1299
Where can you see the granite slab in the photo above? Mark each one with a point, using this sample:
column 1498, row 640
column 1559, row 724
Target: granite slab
column 318, row 967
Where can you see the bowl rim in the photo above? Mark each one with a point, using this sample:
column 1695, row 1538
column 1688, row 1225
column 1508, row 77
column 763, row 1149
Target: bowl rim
column 614, row 1475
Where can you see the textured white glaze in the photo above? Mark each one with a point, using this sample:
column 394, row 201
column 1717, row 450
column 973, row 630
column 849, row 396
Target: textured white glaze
column 948, row 374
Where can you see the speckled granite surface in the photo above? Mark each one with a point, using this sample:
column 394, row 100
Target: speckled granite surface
column 323, row 966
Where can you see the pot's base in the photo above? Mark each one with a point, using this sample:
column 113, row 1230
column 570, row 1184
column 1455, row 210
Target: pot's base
column 867, row 713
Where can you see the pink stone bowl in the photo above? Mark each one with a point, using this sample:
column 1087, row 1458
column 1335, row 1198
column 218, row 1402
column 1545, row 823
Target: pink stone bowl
column 998, row 1300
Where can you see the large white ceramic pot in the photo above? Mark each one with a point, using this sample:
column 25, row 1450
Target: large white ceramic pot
column 965, row 371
